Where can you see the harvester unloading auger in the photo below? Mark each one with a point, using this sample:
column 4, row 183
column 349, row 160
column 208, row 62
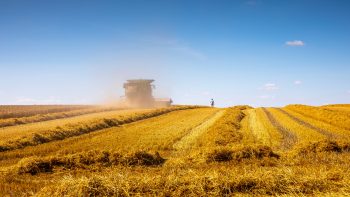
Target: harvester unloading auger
column 138, row 93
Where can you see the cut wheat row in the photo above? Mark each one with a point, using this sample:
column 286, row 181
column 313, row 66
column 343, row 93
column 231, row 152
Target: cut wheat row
column 53, row 115
column 66, row 131
column 19, row 111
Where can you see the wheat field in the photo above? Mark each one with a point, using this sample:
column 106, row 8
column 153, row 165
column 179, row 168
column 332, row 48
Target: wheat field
column 295, row 150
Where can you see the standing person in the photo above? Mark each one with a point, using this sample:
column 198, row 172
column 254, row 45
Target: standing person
column 212, row 102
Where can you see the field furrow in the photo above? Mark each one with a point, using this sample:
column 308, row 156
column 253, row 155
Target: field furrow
column 304, row 134
column 288, row 137
column 329, row 134
column 339, row 131
column 340, row 119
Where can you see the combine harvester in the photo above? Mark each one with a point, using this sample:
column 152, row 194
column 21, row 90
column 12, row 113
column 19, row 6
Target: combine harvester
column 138, row 94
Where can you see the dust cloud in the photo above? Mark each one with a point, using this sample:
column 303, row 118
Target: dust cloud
column 111, row 73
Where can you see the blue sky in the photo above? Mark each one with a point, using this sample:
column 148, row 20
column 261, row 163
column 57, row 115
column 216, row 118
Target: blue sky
column 257, row 52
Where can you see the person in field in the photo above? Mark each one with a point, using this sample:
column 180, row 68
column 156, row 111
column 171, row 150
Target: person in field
column 212, row 103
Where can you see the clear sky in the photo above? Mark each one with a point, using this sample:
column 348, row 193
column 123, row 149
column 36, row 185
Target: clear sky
column 257, row 52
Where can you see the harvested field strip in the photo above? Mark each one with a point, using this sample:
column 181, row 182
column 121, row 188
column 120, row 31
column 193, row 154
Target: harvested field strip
column 338, row 131
column 336, row 118
column 52, row 116
column 275, row 135
column 288, row 137
column 190, row 138
column 156, row 134
column 257, row 128
column 27, row 130
column 61, row 133
column 19, row 111
column 303, row 133
column 306, row 124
